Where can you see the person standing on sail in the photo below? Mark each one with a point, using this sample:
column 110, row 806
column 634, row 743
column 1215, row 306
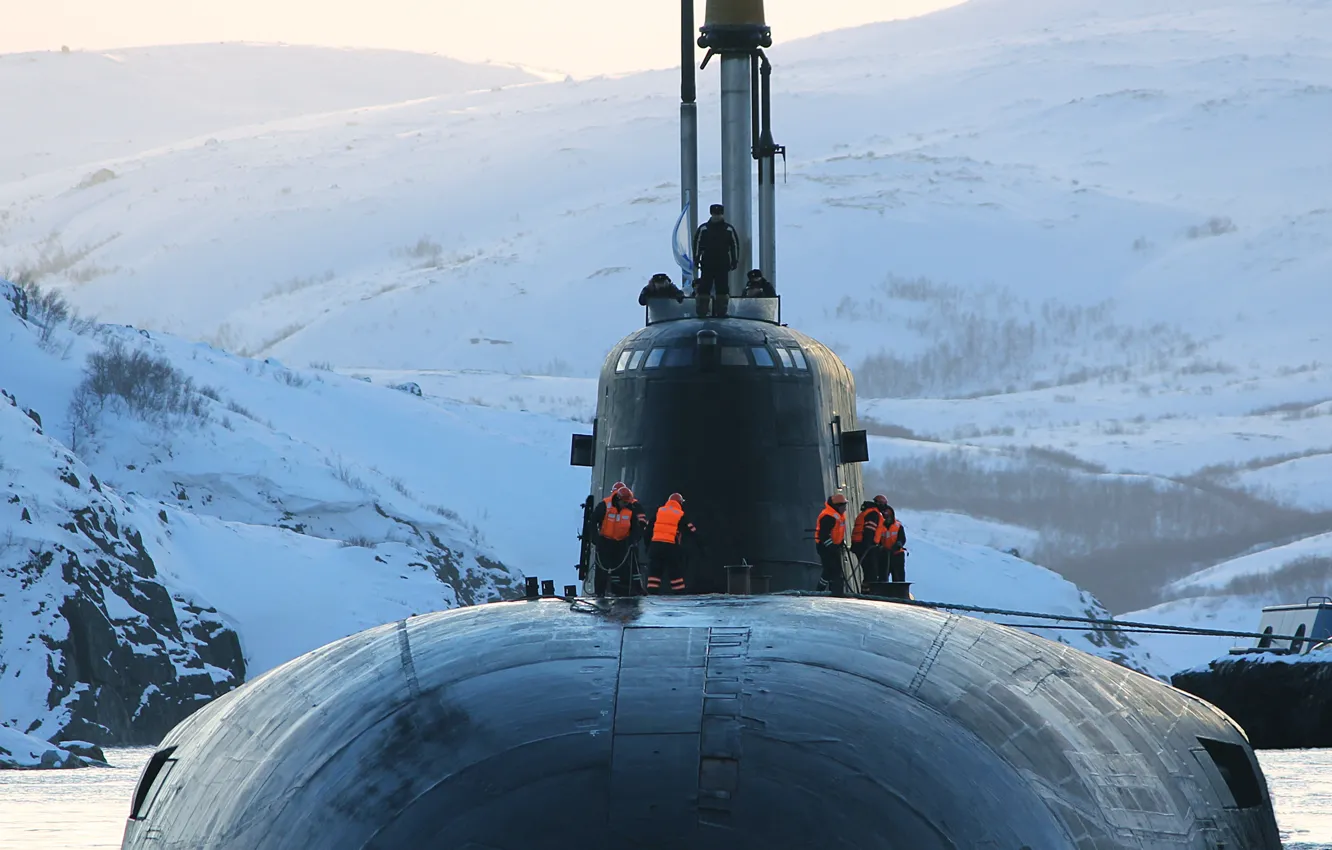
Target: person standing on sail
column 716, row 255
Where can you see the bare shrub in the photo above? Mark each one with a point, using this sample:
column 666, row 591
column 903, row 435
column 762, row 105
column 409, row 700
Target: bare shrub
column 1221, row 471
column 1295, row 580
column 148, row 385
column 1206, row 367
column 290, row 378
column 428, row 253
column 1294, row 409
column 54, row 258
column 296, row 284
column 343, row 472
column 145, row 386
column 1214, row 226
column 446, row 513
column 44, row 308
column 987, row 341
column 210, row 392
column 321, row 366
column 1123, row 537
column 240, row 410
column 359, row 541
column 98, row 177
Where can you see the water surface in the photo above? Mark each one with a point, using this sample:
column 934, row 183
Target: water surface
column 83, row 809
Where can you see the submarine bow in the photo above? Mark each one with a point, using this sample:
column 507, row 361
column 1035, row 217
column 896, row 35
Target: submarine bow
column 776, row 722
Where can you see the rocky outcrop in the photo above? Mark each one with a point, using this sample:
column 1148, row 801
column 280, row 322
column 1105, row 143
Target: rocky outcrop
column 94, row 648
column 1281, row 703
column 23, row 752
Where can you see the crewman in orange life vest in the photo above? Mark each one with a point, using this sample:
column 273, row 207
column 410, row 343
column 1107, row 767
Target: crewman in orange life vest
column 614, row 522
column 664, row 551
column 830, row 538
column 893, row 543
column 866, row 539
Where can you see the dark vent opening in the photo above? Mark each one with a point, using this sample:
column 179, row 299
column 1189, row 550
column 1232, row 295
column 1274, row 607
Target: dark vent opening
column 159, row 766
column 1237, row 770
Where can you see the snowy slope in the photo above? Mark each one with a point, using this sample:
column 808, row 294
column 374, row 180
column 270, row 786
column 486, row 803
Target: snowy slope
column 93, row 645
column 134, row 100
column 392, row 237
column 152, row 561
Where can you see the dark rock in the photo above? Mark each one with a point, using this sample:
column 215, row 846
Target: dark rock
column 128, row 680
column 1280, row 705
column 83, row 750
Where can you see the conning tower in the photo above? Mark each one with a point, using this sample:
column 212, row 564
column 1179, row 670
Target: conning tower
column 755, row 423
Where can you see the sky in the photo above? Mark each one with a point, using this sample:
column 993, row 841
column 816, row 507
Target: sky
column 581, row 37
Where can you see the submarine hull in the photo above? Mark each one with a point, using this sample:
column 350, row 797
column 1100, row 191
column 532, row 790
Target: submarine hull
column 772, row 722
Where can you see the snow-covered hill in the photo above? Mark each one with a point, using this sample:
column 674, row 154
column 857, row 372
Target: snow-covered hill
column 1076, row 253
column 97, row 106
column 176, row 519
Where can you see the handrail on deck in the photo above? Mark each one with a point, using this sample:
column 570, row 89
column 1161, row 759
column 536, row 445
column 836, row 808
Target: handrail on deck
column 660, row 310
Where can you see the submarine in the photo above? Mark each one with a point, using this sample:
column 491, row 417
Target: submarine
column 759, row 720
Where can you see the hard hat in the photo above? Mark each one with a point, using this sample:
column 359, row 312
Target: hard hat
column 837, row 499
column 881, row 501
column 618, row 485
column 676, row 497
column 626, row 495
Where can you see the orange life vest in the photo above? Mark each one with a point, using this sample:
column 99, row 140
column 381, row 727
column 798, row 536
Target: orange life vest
column 858, row 531
column 888, row 536
column 839, row 527
column 617, row 523
column 667, row 527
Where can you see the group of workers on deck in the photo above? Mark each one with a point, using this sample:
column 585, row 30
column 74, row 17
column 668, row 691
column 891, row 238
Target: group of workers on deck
column 716, row 255
column 619, row 522
column 877, row 539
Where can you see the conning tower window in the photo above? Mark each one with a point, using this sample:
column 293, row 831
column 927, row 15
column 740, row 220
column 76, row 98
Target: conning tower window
column 762, row 358
column 734, row 355
column 784, row 356
column 624, row 360
column 799, row 357
column 677, row 357
column 654, row 358
column 636, row 360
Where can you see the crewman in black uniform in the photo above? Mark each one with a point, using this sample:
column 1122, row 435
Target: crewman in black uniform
column 660, row 286
column 758, row 286
column 716, row 255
